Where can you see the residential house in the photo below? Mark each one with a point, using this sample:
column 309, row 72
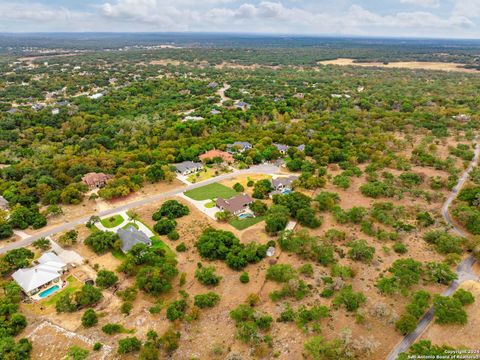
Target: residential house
column 96, row 96
column 12, row 111
column 37, row 107
column 213, row 85
column 236, row 205
column 3, row 203
column 239, row 146
column 301, row 147
column 215, row 112
column 188, row 167
column 96, row 180
column 212, row 154
column 131, row 236
column 242, row 105
column 55, row 111
column 299, row 96
column 48, row 272
column 282, row 148
column 192, row 118
column 283, row 183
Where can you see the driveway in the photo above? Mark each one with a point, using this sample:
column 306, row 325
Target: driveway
column 464, row 269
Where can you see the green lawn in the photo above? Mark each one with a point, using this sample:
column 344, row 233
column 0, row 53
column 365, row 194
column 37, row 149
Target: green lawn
column 113, row 221
column 135, row 225
column 210, row 205
column 159, row 244
column 242, row 224
column 211, row 191
column 72, row 287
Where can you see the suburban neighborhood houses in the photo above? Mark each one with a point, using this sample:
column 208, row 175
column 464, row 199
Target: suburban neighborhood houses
column 213, row 155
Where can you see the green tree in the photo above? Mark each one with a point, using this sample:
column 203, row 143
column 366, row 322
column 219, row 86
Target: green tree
column 89, row 318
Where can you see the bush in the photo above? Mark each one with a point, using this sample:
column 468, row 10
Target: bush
column 126, row 308
column 173, row 235
column 327, row 200
column 206, row 276
column 350, row 299
column 400, row 248
column 77, row 353
column 176, row 310
column 101, row 241
column 65, row 304
column 111, row 329
column 129, row 345
column 106, row 279
column 171, row 209
column 439, row 273
column 449, row 310
column 216, row 244
column 306, row 217
column 276, row 219
column 238, row 187
column 97, row 346
column 443, row 242
column 88, row 296
column 156, row 280
column 164, row 226
column 406, row 324
column 281, row 273
column 207, row 300
column 169, row 340
column 89, row 318
column 360, row 251
column 244, row 278
column 464, row 296
column 181, row 247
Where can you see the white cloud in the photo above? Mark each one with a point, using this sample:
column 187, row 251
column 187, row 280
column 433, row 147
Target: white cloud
column 272, row 16
column 423, row 3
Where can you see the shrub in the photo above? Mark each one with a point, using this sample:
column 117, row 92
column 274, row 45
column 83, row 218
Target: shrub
column 206, row 276
column 169, row 340
column 101, row 241
column 281, row 273
column 400, row 248
column 88, row 296
column 464, row 296
column 165, row 226
column 126, row 308
column 406, row 324
column 173, row 235
column 113, row 328
column 449, row 310
column 360, row 251
column 97, row 346
column 89, row 318
column 439, row 273
column 244, row 278
column 129, row 345
column 443, row 242
column 176, row 310
column 77, row 353
column 106, row 279
column 207, row 300
column 327, row 200
column 238, row 187
column 181, row 247
column 350, row 299
column 216, row 244
column 171, row 209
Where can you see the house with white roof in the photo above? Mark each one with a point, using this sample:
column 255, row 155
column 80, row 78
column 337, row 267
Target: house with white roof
column 48, row 272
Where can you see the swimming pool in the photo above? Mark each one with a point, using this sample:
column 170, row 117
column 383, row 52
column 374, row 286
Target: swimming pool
column 49, row 291
column 245, row 216
column 286, row 191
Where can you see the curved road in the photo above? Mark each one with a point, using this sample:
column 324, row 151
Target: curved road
column 258, row 169
column 463, row 270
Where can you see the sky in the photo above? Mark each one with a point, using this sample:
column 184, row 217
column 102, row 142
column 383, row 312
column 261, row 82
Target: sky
column 390, row 18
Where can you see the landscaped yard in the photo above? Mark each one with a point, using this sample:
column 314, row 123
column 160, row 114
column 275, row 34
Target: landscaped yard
column 210, row 205
column 157, row 243
column 211, row 191
column 72, row 287
column 242, row 224
column 135, row 225
column 111, row 222
column 201, row 175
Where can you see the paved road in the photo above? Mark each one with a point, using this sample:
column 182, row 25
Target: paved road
column 464, row 269
column 258, row 169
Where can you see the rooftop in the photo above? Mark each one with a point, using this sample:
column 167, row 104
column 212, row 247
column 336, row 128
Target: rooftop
column 131, row 236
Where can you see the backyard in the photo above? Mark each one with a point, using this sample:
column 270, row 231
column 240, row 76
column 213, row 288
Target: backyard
column 242, row 224
column 211, row 191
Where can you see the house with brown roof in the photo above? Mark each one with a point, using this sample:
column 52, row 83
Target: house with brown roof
column 212, row 154
column 236, row 205
column 96, row 180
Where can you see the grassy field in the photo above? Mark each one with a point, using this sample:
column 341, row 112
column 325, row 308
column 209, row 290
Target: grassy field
column 159, row 244
column 111, row 222
column 211, row 191
column 242, row 224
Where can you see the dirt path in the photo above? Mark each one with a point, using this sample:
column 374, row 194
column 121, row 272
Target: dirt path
column 464, row 269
